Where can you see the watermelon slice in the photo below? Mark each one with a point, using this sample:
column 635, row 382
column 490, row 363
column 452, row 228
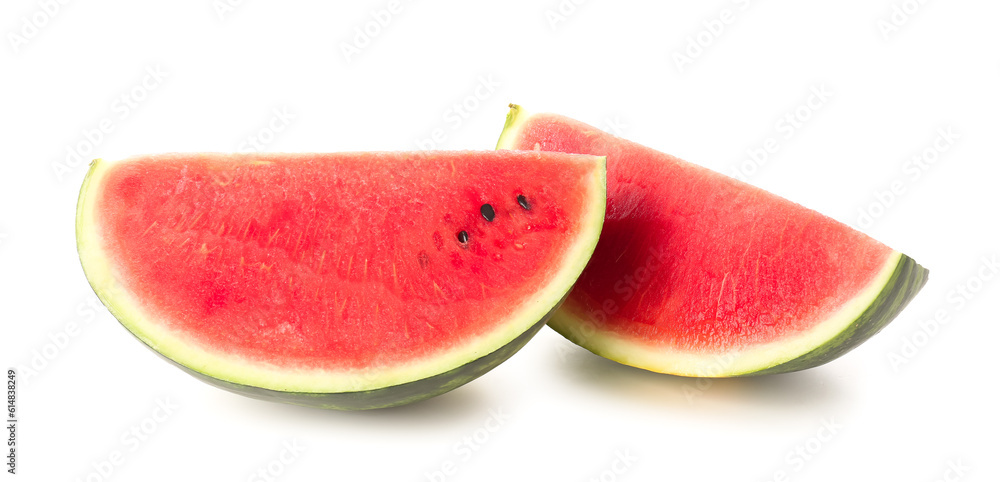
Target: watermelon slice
column 702, row 275
column 349, row 281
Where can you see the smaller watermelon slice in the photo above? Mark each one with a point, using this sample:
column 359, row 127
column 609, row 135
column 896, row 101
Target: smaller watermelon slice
column 348, row 281
column 699, row 274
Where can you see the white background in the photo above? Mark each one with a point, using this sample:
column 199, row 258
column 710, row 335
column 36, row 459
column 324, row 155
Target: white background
column 568, row 415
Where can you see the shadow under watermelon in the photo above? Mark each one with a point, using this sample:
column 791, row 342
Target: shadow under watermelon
column 809, row 390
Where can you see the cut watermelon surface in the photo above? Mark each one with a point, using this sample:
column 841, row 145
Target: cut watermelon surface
column 699, row 274
column 355, row 280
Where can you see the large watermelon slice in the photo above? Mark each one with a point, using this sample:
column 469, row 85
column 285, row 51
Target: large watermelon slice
column 702, row 275
column 351, row 281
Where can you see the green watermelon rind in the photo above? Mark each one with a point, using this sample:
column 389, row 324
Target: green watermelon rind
column 904, row 284
column 512, row 127
column 859, row 319
column 387, row 397
column 340, row 390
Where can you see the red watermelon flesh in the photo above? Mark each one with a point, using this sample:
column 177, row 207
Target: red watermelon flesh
column 329, row 265
column 693, row 266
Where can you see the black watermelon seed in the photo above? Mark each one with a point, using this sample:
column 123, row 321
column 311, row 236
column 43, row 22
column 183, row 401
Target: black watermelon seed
column 523, row 201
column 463, row 237
column 487, row 212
